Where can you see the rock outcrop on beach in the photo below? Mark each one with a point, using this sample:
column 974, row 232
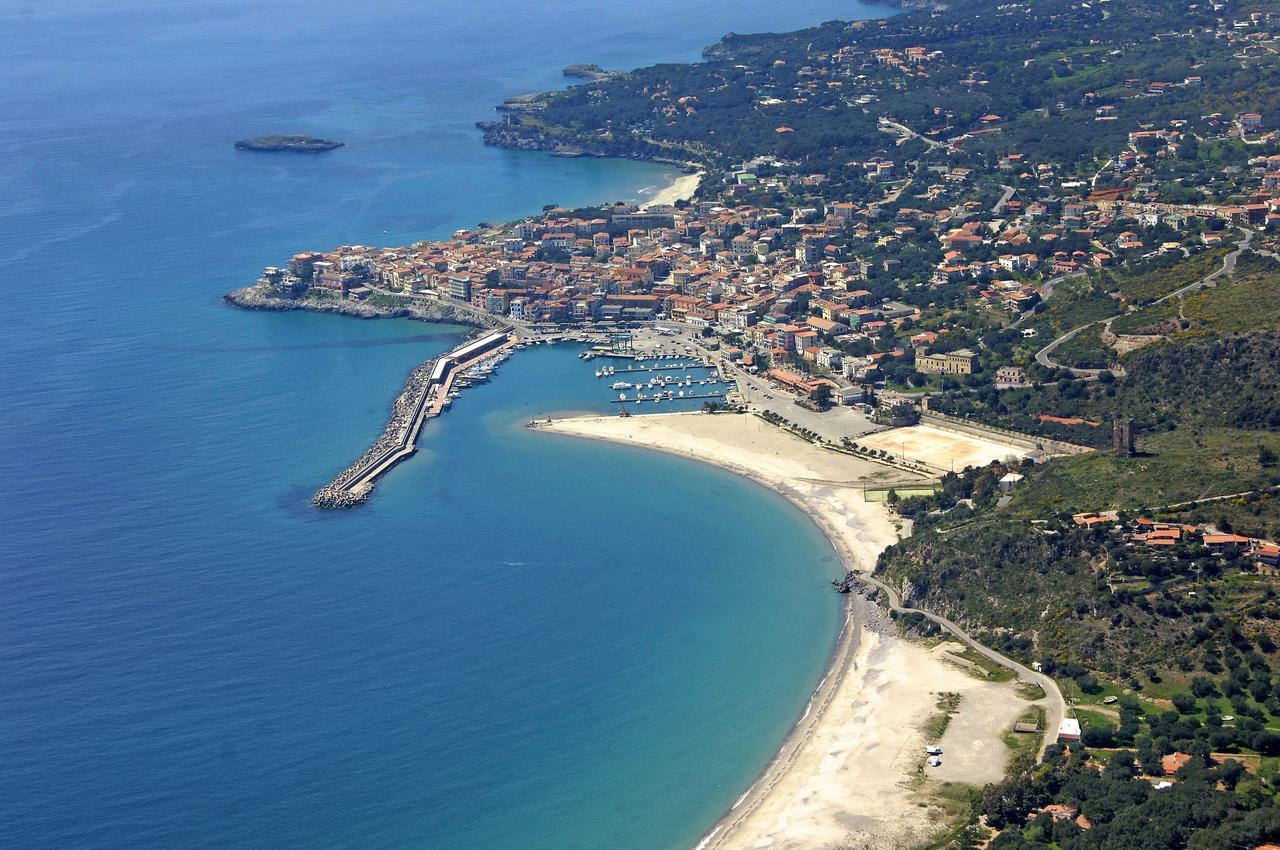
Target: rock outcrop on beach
column 296, row 144
column 257, row 298
column 848, row 584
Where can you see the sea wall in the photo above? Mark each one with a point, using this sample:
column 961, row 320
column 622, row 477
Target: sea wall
column 944, row 422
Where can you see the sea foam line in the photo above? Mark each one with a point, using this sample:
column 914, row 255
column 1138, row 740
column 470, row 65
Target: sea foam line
column 704, row 842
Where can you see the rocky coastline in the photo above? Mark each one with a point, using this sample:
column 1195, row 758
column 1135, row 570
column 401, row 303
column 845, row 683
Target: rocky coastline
column 590, row 72
column 256, row 298
column 500, row 134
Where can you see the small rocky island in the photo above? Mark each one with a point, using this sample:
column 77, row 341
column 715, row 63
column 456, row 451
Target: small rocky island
column 302, row 144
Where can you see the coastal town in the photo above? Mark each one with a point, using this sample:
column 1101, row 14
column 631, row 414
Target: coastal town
column 663, row 425
column 928, row 261
column 1002, row 326
column 817, row 292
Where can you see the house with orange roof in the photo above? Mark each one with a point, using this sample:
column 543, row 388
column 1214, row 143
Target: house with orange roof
column 1225, row 542
column 1267, row 553
column 1088, row 520
column 1059, row 811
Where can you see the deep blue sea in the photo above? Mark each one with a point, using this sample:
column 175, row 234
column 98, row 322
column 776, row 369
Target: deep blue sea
column 523, row 640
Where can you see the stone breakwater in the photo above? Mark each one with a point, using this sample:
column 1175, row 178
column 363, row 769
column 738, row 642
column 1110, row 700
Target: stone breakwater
column 338, row 494
column 421, row 309
column 426, row 394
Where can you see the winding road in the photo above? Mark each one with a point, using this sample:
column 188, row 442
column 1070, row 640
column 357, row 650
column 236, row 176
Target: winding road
column 1228, row 267
column 1055, row 703
column 1046, row 292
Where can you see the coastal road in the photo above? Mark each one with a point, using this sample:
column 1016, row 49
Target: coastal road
column 487, row 318
column 1055, row 703
column 832, row 425
column 1044, row 358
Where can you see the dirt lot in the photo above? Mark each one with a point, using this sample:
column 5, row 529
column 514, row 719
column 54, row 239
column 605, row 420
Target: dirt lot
column 940, row 449
column 972, row 749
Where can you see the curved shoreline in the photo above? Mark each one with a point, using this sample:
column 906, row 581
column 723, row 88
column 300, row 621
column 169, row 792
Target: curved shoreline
column 859, row 617
column 682, row 188
column 843, row 659
column 851, row 768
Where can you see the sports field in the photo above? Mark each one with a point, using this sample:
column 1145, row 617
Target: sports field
column 943, row 450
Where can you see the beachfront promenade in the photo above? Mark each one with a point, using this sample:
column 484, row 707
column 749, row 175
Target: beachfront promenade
column 426, row 394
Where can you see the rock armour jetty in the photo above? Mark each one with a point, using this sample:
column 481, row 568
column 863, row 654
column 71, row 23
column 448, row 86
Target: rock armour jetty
column 425, row 394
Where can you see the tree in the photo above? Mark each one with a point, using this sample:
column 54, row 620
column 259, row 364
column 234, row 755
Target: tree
column 1266, row 456
column 821, row 396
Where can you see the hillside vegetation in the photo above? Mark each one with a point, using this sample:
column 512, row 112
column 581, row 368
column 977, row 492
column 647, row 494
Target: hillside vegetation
column 1229, row 382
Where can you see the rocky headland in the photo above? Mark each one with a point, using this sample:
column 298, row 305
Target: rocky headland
column 425, row 310
column 589, row 72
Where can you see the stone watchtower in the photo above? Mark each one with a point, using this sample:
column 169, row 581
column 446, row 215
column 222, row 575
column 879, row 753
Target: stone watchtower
column 1122, row 438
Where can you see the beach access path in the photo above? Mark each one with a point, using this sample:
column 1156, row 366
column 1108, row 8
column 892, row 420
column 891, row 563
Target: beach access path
column 853, row 765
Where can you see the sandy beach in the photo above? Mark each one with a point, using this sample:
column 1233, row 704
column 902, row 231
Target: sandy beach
column 681, row 189
column 851, row 773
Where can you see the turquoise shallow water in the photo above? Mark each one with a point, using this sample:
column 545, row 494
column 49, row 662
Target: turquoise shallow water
column 522, row 641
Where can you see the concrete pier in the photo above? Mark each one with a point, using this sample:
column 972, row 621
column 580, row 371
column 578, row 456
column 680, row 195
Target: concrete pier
column 424, row 396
